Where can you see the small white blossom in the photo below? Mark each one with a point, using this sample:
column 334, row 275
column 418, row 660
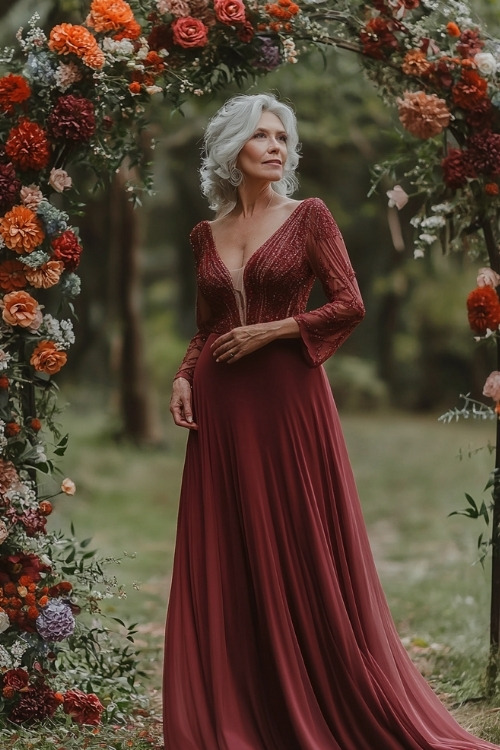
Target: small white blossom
column 5, row 660
column 418, row 253
column 427, row 238
column 121, row 48
column 5, row 358
column 433, row 222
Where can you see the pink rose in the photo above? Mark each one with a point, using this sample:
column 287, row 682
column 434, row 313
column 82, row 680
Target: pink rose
column 189, row 32
column 492, row 386
column 488, row 277
column 230, row 11
column 59, row 179
column 397, row 197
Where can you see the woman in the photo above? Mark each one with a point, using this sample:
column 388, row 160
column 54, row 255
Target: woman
column 278, row 633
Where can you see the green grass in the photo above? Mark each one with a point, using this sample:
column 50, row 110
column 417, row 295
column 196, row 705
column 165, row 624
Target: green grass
column 409, row 476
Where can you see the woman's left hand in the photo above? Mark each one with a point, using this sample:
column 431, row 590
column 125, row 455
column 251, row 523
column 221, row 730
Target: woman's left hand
column 232, row 346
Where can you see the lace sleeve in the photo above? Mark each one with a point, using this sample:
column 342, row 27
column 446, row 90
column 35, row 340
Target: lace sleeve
column 325, row 329
column 186, row 369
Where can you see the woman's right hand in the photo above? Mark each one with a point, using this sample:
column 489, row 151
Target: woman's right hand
column 180, row 404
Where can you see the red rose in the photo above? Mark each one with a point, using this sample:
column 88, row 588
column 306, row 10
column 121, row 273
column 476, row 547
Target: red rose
column 83, row 708
column 189, row 32
column 230, row 11
column 15, row 680
column 68, row 249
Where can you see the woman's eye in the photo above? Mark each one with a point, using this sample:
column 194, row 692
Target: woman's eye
column 284, row 138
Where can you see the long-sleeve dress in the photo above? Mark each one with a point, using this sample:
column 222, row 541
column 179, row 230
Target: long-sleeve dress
column 278, row 633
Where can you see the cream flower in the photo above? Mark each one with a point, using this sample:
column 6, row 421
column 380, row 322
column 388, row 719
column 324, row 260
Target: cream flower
column 68, row 486
column 4, row 622
column 486, row 63
column 4, row 532
column 488, row 277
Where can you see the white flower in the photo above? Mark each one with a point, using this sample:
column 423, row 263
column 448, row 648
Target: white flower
column 121, row 48
column 5, row 660
column 486, row 63
column 5, row 357
column 153, row 90
column 39, row 455
column 4, row 622
column 433, row 222
column 427, row 238
column 45, row 559
column 418, row 253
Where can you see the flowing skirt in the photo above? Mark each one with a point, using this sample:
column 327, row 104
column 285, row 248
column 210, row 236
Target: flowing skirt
column 278, row 634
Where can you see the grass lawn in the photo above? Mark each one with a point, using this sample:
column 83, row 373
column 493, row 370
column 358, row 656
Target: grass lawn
column 411, row 473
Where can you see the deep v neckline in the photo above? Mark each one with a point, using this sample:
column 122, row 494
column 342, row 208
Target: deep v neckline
column 255, row 252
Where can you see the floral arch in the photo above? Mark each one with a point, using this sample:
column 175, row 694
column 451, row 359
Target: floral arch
column 79, row 93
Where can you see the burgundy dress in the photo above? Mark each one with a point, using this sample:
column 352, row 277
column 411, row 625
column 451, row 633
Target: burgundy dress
column 278, row 633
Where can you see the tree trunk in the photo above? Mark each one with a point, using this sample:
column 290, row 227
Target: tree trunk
column 139, row 420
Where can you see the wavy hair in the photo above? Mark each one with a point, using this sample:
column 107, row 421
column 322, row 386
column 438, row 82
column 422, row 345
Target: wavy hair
column 226, row 134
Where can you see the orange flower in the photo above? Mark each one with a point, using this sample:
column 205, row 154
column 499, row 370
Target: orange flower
column 483, row 309
column 491, row 188
column 33, row 613
column 470, row 90
column 131, row 31
column 25, row 581
column 12, row 429
column 13, row 90
column 45, row 276
column 21, row 229
column 45, row 507
column 35, row 424
column 4, row 383
column 43, row 601
column 21, row 309
column 423, row 115
column 12, row 275
column 109, row 15
column 453, row 29
column 134, row 87
column 48, row 358
column 27, row 145
column 415, row 63
column 67, row 39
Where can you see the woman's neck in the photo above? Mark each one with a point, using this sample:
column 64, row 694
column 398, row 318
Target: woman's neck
column 254, row 201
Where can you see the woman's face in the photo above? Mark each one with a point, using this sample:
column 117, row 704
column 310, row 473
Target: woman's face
column 263, row 157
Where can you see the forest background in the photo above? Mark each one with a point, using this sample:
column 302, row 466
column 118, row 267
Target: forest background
column 407, row 363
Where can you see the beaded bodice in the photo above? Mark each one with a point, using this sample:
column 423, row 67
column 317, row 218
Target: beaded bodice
column 277, row 281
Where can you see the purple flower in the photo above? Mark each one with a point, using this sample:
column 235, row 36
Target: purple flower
column 269, row 56
column 56, row 621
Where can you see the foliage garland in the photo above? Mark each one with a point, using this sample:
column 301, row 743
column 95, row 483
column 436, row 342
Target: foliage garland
column 80, row 94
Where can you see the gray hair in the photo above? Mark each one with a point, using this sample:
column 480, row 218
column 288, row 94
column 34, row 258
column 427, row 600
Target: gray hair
column 226, row 134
